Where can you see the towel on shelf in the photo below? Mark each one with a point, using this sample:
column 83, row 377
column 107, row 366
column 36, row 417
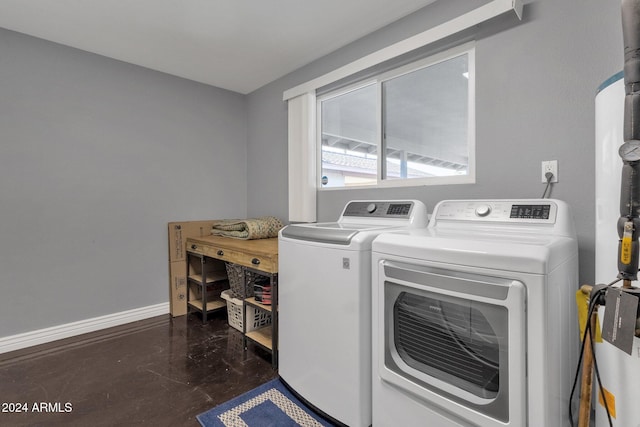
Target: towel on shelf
column 248, row 229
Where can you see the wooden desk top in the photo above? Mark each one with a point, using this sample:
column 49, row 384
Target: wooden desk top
column 261, row 254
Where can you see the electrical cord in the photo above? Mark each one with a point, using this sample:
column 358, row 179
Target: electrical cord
column 597, row 371
column 577, row 375
column 587, row 330
column 549, row 177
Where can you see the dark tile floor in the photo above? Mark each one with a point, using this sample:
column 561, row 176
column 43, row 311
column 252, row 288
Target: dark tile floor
column 159, row 372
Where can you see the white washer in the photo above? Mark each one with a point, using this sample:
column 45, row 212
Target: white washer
column 324, row 305
column 474, row 317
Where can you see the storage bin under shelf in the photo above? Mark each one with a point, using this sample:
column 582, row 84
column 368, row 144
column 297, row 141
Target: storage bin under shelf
column 244, row 318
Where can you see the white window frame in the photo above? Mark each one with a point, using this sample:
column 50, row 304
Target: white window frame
column 468, row 178
column 298, row 170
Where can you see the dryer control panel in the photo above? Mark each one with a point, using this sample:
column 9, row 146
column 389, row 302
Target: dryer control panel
column 542, row 211
column 530, row 211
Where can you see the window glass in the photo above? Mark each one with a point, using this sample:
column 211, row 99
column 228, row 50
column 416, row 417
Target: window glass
column 350, row 138
column 425, row 121
column 410, row 126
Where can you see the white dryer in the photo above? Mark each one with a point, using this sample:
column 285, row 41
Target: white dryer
column 474, row 317
column 324, row 305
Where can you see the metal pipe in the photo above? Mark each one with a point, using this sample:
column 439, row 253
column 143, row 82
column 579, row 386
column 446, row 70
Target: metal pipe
column 629, row 222
column 631, row 37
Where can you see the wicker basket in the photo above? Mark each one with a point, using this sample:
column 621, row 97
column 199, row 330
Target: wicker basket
column 242, row 280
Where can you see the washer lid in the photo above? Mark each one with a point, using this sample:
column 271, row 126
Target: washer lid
column 358, row 218
column 327, row 232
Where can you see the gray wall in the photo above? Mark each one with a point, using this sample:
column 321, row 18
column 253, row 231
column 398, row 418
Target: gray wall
column 96, row 157
column 536, row 83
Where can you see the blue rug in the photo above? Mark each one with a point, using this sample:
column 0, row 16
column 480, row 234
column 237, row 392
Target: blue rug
column 271, row 404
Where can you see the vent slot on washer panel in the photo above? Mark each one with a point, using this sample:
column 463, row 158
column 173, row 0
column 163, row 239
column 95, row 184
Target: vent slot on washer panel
column 451, row 341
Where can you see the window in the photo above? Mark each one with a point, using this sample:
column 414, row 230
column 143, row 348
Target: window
column 419, row 116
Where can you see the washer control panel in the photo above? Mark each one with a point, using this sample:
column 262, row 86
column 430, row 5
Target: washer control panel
column 378, row 209
column 527, row 211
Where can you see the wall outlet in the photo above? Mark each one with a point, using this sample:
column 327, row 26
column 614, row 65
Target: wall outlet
column 550, row 166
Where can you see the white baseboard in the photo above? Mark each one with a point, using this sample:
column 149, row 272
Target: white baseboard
column 43, row 336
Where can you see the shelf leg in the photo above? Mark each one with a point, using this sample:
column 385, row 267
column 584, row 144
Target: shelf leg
column 203, row 287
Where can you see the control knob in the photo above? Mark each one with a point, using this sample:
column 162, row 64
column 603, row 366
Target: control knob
column 483, row 210
column 371, row 207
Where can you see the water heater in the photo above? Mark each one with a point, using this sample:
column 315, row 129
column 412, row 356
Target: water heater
column 620, row 372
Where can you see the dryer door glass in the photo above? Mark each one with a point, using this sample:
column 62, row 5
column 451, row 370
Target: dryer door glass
column 455, row 340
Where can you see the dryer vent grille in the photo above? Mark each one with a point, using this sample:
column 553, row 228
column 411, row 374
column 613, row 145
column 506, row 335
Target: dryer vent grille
column 448, row 340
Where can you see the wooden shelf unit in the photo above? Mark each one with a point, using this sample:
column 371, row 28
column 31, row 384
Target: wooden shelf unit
column 210, row 278
column 262, row 336
column 257, row 257
column 205, row 280
column 258, row 304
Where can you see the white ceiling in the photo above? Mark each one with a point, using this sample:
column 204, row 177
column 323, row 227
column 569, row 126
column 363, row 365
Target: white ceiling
column 239, row 45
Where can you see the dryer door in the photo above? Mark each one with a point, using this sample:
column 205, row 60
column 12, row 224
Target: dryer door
column 455, row 340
